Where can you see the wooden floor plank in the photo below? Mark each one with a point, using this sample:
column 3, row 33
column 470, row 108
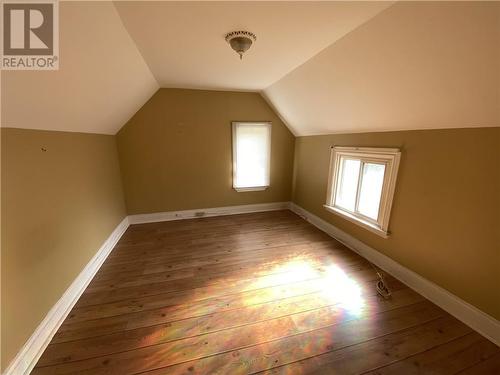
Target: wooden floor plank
column 171, row 295
column 381, row 351
column 289, row 349
column 216, row 272
column 135, row 315
column 133, row 339
column 251, row 242
column 91, row 297
column 225, row 252
column 449, row 358
column 293, row 334
column 261, row 292
column 490, row 366
column 186, row 245
column 261, row 255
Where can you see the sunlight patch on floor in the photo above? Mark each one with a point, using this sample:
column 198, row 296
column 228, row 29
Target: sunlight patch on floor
column 330, row 281
column 339, row 288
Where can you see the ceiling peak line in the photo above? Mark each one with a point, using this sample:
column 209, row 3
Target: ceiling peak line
column 389, row 5
column 134, row 42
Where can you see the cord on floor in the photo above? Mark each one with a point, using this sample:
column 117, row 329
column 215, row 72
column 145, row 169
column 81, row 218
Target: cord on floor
column 382, row 286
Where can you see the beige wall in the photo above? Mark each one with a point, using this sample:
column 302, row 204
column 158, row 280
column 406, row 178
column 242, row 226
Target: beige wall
column 175, row 153
column 58, row 207
column 445, row 219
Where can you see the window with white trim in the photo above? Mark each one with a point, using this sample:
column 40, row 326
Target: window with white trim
column 251, row 155
column 361, row 185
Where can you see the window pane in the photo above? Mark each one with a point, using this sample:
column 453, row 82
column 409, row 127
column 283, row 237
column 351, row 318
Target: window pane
column 347, row 184
column 252, row 153
column 371, row 189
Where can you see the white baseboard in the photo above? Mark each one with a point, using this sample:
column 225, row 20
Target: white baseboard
column 30, row 353
column 481, row 322
column 32, row 350
column 207, row 212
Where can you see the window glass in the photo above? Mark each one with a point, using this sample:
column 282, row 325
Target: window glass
column 252, row 144
column 348, row 184
column 371, row 189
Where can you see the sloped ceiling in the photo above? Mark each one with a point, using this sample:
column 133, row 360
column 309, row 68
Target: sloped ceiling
column 325, row 66
column 183, row 43
column 413, row 66
column 102, row 80
column 108, row 51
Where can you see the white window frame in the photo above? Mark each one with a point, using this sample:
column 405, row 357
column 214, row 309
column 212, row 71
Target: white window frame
column 235, row 125
column 390, row 157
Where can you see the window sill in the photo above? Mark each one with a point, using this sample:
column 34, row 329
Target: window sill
column 253, row 188
column 356, row 220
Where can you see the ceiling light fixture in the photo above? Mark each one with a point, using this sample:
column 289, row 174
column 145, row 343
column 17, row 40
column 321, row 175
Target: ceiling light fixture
column 240, row 41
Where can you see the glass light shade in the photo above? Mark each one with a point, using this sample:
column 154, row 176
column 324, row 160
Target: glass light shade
column 240, row 44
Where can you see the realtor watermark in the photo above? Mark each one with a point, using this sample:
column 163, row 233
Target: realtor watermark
column 30, row 35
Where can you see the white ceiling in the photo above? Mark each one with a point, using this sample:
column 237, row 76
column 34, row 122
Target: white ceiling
column 414, row 66
column 102, row 80
column 183, row 43
column 325, row 66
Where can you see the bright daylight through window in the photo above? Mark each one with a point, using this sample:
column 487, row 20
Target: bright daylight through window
column 361, row 185
column 251, row 155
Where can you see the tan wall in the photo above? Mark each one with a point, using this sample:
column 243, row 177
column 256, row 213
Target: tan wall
column 445, row 219
column 58, row 207
column 175, row 153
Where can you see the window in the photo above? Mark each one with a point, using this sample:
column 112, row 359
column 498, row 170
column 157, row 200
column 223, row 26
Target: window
column 251, row 155
column 361, row 185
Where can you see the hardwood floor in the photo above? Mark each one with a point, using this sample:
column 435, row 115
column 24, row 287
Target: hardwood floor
column 254, row 293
